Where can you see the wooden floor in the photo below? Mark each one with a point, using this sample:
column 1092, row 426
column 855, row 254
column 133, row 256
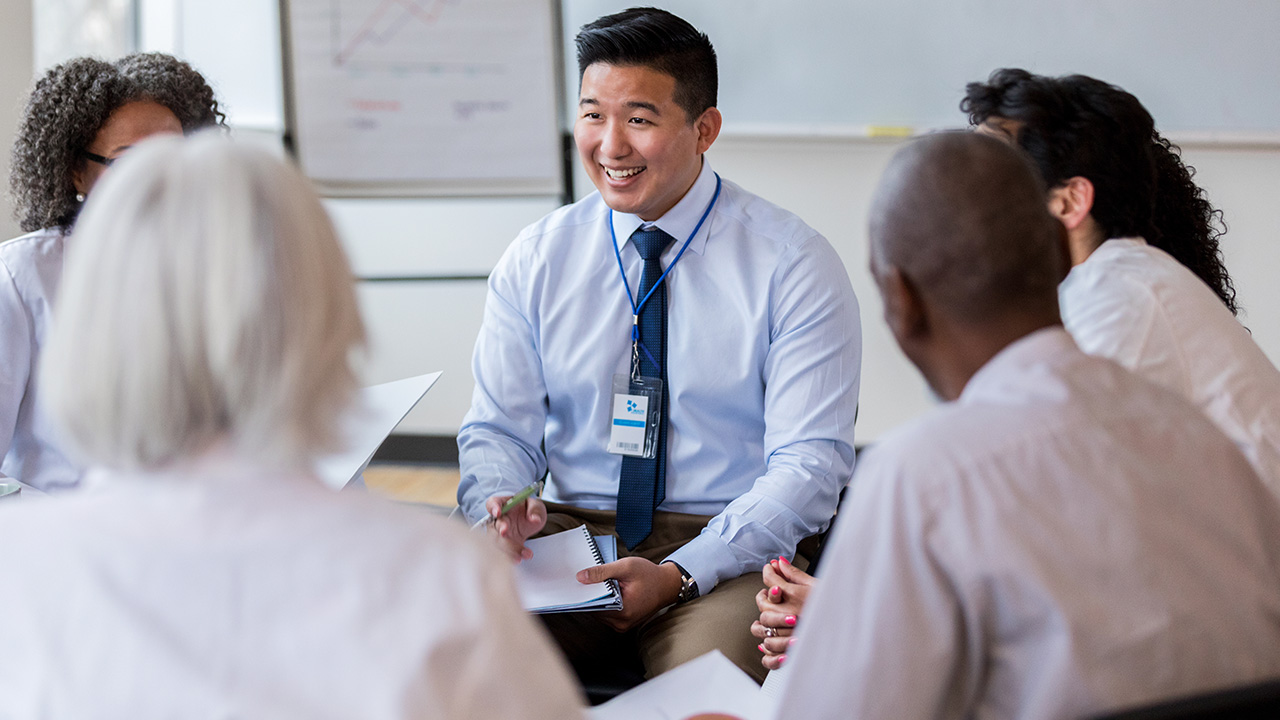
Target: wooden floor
column 435, row 485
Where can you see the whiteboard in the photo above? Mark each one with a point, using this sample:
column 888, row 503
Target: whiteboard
column 1209, row 70
column 424, row 97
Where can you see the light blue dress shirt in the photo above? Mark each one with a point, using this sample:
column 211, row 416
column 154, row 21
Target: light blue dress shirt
column 30, row 271
column 764, row 350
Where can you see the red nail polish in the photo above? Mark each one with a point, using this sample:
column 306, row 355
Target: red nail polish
column 761, row 647
column 792, row 641
column 781, row 659
column 790, row 620
column 775, row 590
column 783, row 560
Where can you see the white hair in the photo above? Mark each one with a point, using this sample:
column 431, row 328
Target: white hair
column 205, row 299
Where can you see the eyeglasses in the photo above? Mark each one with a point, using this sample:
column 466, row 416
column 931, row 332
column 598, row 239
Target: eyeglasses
column 98, row 158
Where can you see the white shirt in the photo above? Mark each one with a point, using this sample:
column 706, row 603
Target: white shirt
column 763, row 347
column 1136, row 305
column 221, row 591
column 1064, row 539
column 30, row 270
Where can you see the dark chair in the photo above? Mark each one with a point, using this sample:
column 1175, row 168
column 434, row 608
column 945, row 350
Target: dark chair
column 819, row 541
column 1260, row 700
column 820, row 545
column 604, row 684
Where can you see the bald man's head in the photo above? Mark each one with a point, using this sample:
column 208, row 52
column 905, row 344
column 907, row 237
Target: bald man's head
column 963, row 218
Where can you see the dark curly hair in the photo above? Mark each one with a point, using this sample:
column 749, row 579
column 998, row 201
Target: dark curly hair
column 1079, row 126
column 68, row 107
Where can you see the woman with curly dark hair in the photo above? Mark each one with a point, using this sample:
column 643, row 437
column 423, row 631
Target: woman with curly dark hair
column 1148, row 288
column 80, row 117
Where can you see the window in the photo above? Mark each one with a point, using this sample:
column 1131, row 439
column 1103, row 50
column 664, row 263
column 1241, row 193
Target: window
column 69, row 28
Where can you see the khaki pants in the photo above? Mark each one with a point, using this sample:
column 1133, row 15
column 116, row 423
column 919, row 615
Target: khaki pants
column 719, row 620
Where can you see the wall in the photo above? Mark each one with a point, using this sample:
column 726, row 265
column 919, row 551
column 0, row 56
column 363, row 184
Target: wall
column 417, row 327
column 829, row 184
column 16, row 54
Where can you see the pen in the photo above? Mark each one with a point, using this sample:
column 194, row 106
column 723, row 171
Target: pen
column 509, row 505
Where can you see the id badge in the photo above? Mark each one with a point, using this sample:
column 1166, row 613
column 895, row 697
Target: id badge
column 637, row 410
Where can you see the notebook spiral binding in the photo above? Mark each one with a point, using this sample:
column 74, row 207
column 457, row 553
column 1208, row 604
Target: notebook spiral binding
column 595, row 552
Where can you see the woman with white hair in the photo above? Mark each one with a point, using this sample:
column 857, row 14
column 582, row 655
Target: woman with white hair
column 201, row 359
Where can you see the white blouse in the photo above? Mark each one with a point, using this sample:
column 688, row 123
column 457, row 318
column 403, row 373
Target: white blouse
column 30, row 270
column 1135, row 304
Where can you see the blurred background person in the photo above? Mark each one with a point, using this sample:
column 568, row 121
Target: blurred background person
column 1148, row 287
column 81, row 116
column 201, row 358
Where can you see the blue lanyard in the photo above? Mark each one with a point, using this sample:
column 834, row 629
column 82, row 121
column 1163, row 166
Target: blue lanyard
column 636, row 307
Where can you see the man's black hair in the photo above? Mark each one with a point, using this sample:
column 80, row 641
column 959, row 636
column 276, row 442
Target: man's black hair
column 656, row 39
column 1080, row 126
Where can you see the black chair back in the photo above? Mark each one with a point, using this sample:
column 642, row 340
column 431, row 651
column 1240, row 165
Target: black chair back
column 1260, row 700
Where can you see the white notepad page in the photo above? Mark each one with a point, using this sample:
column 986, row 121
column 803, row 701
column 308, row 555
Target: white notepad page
column 549, row 578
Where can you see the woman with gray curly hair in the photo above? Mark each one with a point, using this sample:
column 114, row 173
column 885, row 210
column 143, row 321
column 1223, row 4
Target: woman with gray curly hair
column 80, row 117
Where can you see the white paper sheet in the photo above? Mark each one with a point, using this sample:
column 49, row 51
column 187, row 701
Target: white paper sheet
column 547, row 582
column 775, row 681
column 710, row 683
column 378, row 411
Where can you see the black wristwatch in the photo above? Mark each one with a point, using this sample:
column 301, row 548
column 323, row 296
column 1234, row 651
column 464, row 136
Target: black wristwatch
column 688, row 586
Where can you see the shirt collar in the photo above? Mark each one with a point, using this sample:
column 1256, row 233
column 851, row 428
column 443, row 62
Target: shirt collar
column 1039, row 348
column 1117, row 243
column 680, row 220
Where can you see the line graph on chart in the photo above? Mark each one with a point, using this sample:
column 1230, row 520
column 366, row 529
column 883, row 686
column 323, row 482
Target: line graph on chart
column 403, row 36
column 404, row 90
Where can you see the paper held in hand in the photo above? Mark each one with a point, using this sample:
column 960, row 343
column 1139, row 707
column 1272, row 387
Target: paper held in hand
column 548, row 582
column 364, row 428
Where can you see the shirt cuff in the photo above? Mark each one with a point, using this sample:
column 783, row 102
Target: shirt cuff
column 484, row 483
column 707, row 559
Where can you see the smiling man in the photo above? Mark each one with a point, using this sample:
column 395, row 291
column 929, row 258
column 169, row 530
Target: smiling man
column 681, row 356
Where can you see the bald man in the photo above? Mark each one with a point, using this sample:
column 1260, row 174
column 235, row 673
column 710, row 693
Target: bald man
column 1059, row 538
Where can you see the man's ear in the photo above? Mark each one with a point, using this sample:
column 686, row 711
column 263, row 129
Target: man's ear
column 1072, row 201
column 708, row 125
column 904, row 310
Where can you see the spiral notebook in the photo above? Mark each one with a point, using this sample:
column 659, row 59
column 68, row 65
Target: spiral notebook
column 548, row 583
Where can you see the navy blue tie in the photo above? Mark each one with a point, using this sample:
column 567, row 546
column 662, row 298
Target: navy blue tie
column 642, row 485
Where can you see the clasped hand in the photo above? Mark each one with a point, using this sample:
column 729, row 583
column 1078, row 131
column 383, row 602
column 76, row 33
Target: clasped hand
column 786, row 588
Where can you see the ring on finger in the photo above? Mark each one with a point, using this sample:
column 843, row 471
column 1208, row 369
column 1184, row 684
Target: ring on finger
column 770, row 632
